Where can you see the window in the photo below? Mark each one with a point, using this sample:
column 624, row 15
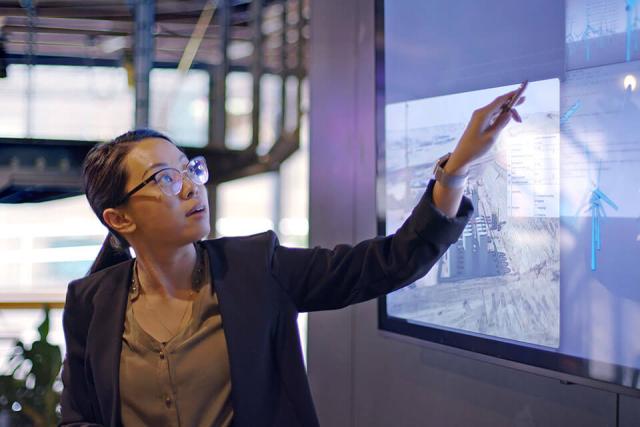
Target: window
column 43, row 246
column 65, row 102
column 239, row 104
column 179, row 105
column 270, row 111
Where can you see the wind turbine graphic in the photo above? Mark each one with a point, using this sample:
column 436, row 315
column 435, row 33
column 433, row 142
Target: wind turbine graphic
column 630, row 9
column 596, row 206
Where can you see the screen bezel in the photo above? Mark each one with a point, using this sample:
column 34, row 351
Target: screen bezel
column 566, row 368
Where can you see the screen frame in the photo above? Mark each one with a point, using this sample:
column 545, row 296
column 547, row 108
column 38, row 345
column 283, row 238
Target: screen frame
column 566, row 368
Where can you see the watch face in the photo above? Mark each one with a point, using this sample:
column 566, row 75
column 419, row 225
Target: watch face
column 440, row 164
column 442, row 160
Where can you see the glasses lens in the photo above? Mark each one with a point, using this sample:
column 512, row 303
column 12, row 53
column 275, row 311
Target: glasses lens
column 197, row 170
column 170, row 181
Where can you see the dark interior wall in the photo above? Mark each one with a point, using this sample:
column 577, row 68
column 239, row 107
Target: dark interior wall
column 359, row 376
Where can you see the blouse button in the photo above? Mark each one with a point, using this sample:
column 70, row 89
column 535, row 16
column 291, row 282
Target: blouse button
column 167, row 400
column 161, row 355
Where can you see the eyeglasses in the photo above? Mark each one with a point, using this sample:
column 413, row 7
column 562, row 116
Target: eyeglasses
column 170, row 179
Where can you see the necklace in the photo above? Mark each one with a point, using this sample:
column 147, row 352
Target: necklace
column 196, row 282
column 171, row 332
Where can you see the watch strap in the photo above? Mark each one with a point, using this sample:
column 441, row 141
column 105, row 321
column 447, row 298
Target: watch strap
column 446, row 179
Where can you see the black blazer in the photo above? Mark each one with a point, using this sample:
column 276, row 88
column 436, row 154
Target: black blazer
column 261, row 286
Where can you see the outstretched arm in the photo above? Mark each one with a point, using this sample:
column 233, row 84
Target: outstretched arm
column 323, row 279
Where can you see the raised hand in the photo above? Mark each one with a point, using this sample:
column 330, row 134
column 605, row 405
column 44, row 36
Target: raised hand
column 482, row 132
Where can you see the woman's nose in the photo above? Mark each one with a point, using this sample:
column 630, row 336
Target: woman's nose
column 189, row 188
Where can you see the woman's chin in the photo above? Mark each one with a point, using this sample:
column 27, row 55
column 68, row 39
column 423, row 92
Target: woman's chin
column 203, row 232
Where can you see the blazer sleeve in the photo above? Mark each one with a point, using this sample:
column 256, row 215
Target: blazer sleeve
column 74, row 401
column 325, row 279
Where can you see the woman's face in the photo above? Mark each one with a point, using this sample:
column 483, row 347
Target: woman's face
column 159, row 217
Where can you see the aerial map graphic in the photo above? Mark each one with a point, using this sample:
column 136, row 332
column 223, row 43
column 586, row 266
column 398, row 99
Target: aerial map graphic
column 502, row 277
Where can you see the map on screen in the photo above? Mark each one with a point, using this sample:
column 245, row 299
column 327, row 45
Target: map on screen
column 502, row 276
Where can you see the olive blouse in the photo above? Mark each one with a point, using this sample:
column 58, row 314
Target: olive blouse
column 183, row 382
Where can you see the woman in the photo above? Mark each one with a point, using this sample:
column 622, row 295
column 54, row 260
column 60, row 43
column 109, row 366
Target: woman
column 204, row 333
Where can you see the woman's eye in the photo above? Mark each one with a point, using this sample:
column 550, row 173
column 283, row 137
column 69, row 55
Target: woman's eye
column 166, row 178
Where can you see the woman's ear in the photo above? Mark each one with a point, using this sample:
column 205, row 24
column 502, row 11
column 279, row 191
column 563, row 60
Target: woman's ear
column 118, row 221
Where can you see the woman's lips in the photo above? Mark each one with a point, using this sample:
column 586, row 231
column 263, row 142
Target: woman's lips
column 199, row 209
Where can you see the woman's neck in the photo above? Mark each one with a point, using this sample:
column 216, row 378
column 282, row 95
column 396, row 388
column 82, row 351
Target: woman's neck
column 166, row 271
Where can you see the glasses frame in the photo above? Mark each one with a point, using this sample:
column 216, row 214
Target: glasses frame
column 152, row 177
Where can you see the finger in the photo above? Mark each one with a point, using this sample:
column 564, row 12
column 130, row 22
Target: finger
column 500, row 101
column 516, row 115
column 500, row 122
column 490, row 110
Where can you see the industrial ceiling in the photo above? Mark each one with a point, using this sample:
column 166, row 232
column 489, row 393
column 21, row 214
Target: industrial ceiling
column 263, row 36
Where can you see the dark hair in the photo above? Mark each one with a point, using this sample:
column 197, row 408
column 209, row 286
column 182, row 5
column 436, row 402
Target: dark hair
column 105, row 178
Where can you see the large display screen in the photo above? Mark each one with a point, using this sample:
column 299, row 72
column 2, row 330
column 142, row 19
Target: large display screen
column 547, row 272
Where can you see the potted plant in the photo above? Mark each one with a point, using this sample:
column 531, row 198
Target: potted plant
column 28, row 396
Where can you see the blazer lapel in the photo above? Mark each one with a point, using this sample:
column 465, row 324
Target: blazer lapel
column 104, row 341
column 228, row 305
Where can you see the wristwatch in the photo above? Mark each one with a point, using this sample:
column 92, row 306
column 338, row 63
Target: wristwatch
column 446, row 179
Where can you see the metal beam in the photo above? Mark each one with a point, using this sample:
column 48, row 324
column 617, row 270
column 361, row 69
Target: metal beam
column 7, row 304
column 283, row 70
column 33, row 170
column 218, row 124
column 99, row 62
column 256, row 72
column 144, row 12
column 212, row 195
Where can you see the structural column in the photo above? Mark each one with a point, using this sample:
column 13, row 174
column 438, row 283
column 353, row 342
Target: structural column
column 143, row 53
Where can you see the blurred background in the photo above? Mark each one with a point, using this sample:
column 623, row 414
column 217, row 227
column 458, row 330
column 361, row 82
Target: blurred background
column 226, row 79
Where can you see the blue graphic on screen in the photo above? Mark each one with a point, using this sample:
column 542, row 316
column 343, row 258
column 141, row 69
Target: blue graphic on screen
column 588, row 33
column 551, row 257
column 602, row 32
column 570, row 112
column 632, row 27
column 596, row 207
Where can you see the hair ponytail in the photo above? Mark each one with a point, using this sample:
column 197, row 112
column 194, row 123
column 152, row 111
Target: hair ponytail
column 111, row 253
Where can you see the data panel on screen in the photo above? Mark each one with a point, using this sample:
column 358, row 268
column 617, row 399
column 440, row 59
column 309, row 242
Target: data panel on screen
column 550, row 260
